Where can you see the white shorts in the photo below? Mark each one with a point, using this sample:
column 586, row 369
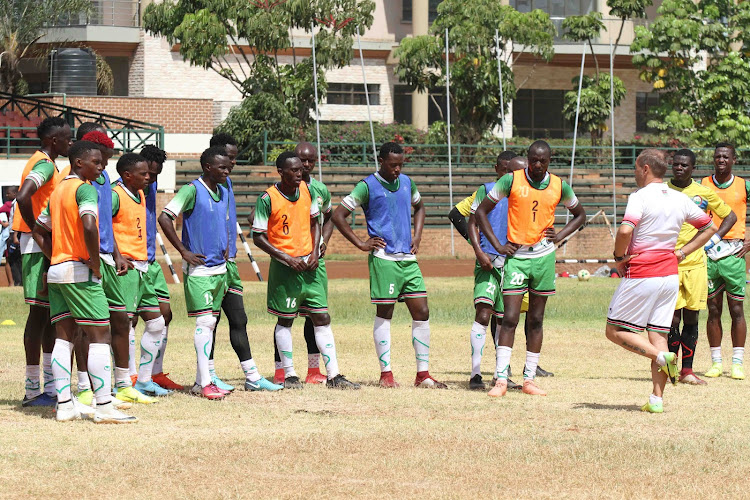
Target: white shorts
column 644, row 304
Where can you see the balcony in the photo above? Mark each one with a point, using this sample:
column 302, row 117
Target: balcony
column 108, row 22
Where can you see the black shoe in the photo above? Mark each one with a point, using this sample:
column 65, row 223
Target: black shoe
column 541, row 372
column 513, row 386
column 510, row 372
column 476, row 384
column 340, row 382
column 293, row 383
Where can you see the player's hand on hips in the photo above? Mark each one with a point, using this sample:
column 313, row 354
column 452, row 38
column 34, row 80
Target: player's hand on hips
column 372, row 244
column 745, row 248
column 550, row 234
column 484, row 261
column 193, row 259
column 622, row 265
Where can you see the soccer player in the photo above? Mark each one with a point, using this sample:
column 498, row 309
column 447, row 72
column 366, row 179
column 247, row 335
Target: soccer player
column 38, row 181
column 128, row 209
column 726, row 264
column 155, row 158
column 308, row 155
column 286, row 227
column 232, row 304
column 387, row 198
column 693, row 289
column 68, row 233
column 533, row 194
column 648, row 261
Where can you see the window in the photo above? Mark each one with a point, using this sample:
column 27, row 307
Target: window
column 558, row 10
column 644, row 103
column 353, row 94
column 406, row 10
column 538, row 114
column 402, row 112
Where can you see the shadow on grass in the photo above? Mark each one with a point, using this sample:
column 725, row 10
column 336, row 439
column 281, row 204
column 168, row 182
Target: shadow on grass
column 34, row 411
column 598, row 406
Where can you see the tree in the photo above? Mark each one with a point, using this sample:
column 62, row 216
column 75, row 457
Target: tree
column 23, row 24
column 475, row 94
column 243, row 40
column 697, row 55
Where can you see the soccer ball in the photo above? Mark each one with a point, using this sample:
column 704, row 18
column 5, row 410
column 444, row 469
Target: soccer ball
column 584, row 275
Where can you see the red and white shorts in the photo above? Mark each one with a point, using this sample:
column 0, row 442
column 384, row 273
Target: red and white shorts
column 644, row 304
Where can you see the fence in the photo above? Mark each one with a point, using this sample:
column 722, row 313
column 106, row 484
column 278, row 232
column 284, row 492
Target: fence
column 103, row 13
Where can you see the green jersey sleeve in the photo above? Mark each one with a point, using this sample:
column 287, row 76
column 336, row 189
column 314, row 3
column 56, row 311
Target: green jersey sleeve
column 481, row 194
column 44, row 219
column 184, row 201
column 87, row 200
column 42, row 172
column 501, row 189
column 568, row 197
column 359, row 196
column 115, row 203
column 262, row 213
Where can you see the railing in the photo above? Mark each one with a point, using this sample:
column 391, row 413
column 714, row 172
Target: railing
column 17, row 138
column 103, row 13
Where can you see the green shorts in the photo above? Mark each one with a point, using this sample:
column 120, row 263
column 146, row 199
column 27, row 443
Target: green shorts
column 85, row 302
column 291, row 292
column 488, row 288
column 535, row 275
column 156, row 275
column 139, row 293
column 33, row 267
column 392, row 281
column 204, row 294
column 234, row 283
column 114, row 289
column 727, row 273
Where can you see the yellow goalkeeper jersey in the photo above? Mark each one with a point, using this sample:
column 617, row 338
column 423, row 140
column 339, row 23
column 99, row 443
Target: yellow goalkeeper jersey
column 464, row 206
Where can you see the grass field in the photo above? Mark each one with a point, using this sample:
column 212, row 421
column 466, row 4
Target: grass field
column 586, row 439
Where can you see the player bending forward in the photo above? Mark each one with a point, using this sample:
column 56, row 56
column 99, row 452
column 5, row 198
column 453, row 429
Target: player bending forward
column 647, row 260
column 387, row 197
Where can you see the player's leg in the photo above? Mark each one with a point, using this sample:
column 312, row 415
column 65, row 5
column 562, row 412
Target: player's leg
column 81, row 349
column 689, row 341
column 313, row 355
column 278, row 374
column 674, row 340
column 734, row 273
column 200, row 299
column 159, row 284
column 385, row 286
column 715, row 305
column 487, row 290
column 237, row 324
column 283, row 299
column 61, row 367
column 534, row 339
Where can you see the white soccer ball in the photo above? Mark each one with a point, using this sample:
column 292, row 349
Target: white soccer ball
column 584, row 275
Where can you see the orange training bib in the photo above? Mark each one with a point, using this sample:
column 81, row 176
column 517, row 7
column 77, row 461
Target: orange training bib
column 736, row 197
column 67, row 227
column 129, row 225
column 289, row 222
column 530, row 210
column 41, row 197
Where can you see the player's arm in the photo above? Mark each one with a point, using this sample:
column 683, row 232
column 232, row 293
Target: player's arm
column 500, row 190
column 86, row 198
column 260, row 236
column 459, row 222
column 419, row 215
column 705, row 226
column 575, row 208
column 42, row 233
column 183, row 201
column 358, row 196
column 315, row 232
column 39, row 175
column 327, row 229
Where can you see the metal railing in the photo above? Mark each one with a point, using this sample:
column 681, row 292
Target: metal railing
column 125, row 13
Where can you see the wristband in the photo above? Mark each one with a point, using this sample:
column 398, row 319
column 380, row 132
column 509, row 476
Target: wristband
column 618, row 259
column 712, row 242
column 682, row 252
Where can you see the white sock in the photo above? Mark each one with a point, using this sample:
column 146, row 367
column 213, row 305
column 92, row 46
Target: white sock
column 251, row 371
column 159, row 361
column 738, row 355
column 84, row 384
column 49, row 378
column 278, row 365
column 203, row 340
column 313, row 361
column 477, row 338
column 132, row 370
column 100, row 368
column 283, row 336
column 655, row 399
column 381, row 333
column 211, row 368
column 61, row 369
column 122, row 378
column 33, row 389
column 150, row 341
column 532, row 361
column 716, row 354
column 420, row 339
column 327, row 347
column 502, row 363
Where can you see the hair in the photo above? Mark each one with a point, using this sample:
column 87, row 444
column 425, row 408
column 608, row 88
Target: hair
column 541, row 145
column 13, row 189
column 655, row 159
column 388, row 148
column 208, row 155
column 222, row 140
column 98, row 137
column 49, row 126
column 726, row 145
column 283, row 158
column 685, row 152
column 128, row 161
column 86, row 127
column 506, row 156
column 79, row 149
column 152, row 153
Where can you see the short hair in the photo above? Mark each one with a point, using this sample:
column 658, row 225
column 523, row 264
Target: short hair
column 79, row 149
column 388, row 148
column 12, row 189
column 208, row 155
column 152, row 153
column 543, row 145
column 506, row 156
column 655, row 159
column 98, row 137
column 283, row 158
column 49, row 126
column 86, row 127
column 685, row 152
column 222, row 140
column 726, row 145
column 128, row 161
